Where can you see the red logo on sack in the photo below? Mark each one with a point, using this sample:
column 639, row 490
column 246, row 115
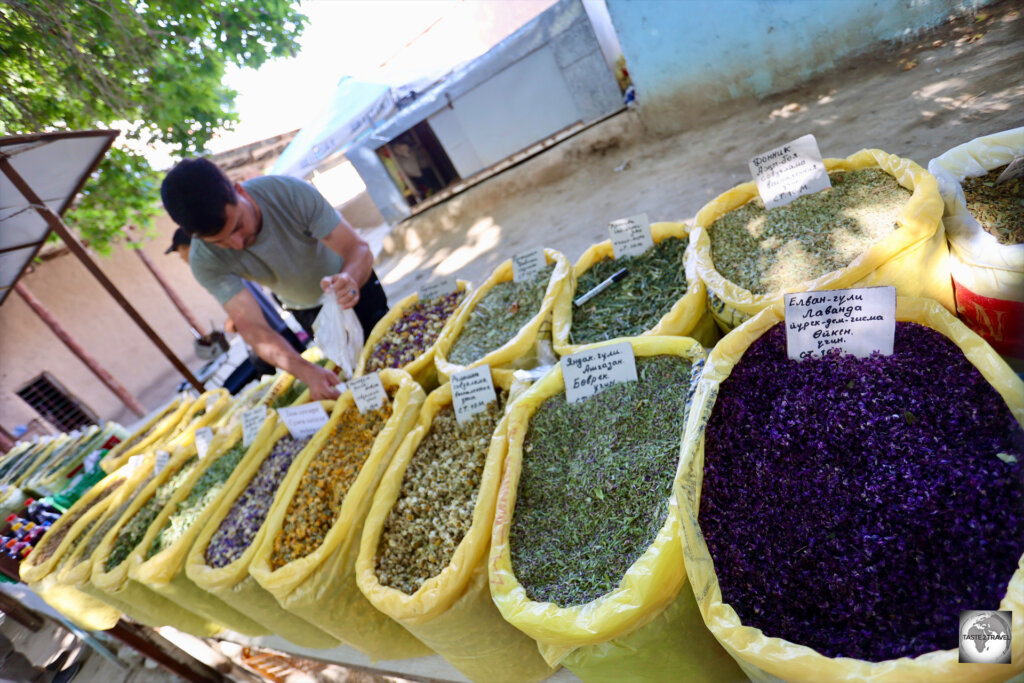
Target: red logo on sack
column 999, row 321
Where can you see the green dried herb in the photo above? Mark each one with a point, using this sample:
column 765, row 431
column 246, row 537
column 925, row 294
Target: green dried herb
column 52, row 540
column 999, row 208
column 205, row 491
column 596, row 482
column 771, row 251
column 131, row 533
column 499, row 316
column 96, row 538
column 630, row 307
column 434, row 510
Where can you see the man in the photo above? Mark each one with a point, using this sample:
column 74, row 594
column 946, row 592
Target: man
column 282, row 233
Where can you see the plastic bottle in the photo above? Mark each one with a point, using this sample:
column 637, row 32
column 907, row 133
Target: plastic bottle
column 40, row 512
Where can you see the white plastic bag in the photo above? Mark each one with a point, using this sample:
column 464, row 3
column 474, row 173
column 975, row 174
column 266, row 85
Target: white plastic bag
column 339, row 334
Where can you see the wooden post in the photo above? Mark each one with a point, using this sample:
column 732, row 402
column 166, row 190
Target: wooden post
column 101, row 373
column 78, row 249
column 171, row 294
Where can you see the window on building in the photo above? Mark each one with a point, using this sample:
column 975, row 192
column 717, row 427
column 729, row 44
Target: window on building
column 55, row 404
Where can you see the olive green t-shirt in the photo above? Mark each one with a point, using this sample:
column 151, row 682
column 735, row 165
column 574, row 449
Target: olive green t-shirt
column 287, row 256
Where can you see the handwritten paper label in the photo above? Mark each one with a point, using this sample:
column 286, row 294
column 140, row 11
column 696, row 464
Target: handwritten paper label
column 162, row 458
column 211, row 401
column 526, row 265
column 1015, row 169
column 855, row 321
column 368, row 392
column 631, row 236
column 304, row 421
column 135, row 462
column 472, row 390
column 203, row 438
column 790, row 171
column 438, row 288
column 586, row 373
column 252, row 420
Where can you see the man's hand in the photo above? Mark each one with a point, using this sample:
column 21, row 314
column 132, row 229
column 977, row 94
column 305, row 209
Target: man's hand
column 345, row 289
column 322, row 383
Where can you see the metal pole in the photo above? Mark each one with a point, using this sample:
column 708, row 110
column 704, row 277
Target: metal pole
column 78, row 249
column 171, row 294
column 101, row 373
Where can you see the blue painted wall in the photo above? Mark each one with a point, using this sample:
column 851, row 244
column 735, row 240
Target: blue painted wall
column 686, row 56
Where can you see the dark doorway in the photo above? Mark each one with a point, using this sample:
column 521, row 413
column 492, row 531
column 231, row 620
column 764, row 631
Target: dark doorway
column 417, row 163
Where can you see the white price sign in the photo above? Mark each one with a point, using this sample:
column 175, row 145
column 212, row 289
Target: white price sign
column 526, row 265
column 368, row 392
column 135, row 462
column 586, row 373
column 854, row 321
column 438, row 288
column 162, row 458
column 203, row 438
column 252, row 420
column 211, row 401
column 631, row 236
column 790, row 171
column 304, row 421
column 472, row 390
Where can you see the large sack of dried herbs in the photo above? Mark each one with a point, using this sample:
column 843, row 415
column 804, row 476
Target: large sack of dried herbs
column 423, row 559
column 839, row 513
column 205, row 411
column 218, row 561
column 661, row 295
column 158, row 559
column 585, row 553
column 503, row 322
column 879, row 224
column 404, row 339
column 985, row 226
column 146, row 436
column 40, row 569
column 308, row 554
column 109, row 566
column 78, row 569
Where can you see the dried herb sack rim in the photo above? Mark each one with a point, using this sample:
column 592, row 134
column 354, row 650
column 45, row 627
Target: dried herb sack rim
column 762, row 656
column 913, row 258
column 146, row 437
column 423, row 361
column 648, row 586
column 302, row 585
column 232, row 582
column 683, row 319
column 522, row 343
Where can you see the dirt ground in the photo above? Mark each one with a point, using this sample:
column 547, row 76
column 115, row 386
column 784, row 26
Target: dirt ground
column 915, row 100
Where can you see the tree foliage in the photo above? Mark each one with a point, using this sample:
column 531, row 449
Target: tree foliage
column 152, row 69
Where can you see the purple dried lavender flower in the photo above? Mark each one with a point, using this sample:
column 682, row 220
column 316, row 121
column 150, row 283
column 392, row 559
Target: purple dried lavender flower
column 413, row 333
column 856, row 506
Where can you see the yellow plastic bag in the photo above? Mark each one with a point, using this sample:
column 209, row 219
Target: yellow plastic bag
column 321, row 587
column 988, row 277
column 232, row 415
column 523, row 346
column 143, row 438
column 157, row 610
column 421, row 368
column 771, row 659
column 81, row 609
column 282, row 381
column 452, row 612
column 914, row 258
column 164, row 573
column 584, row 637
column 205, row 411
column 232, row 583
column 689, row 317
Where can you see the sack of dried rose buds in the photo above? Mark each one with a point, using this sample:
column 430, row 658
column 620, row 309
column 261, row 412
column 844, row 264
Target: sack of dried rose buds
column 585, row 551
column 144, row 438
column 405, row 337
column 219, row 560
column 423, row 555
column 308, row 554
column 503, row 322
column 985, row 225
column 839, row 513
column 879, row 224
column 662, row 295
column 39, row 570
column 158, row 561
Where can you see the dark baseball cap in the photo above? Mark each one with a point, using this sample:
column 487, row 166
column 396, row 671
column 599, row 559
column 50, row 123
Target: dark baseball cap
column 180, row 239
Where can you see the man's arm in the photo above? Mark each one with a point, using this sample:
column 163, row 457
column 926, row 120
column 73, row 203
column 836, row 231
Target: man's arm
column 357, row 264
column 272, row 347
